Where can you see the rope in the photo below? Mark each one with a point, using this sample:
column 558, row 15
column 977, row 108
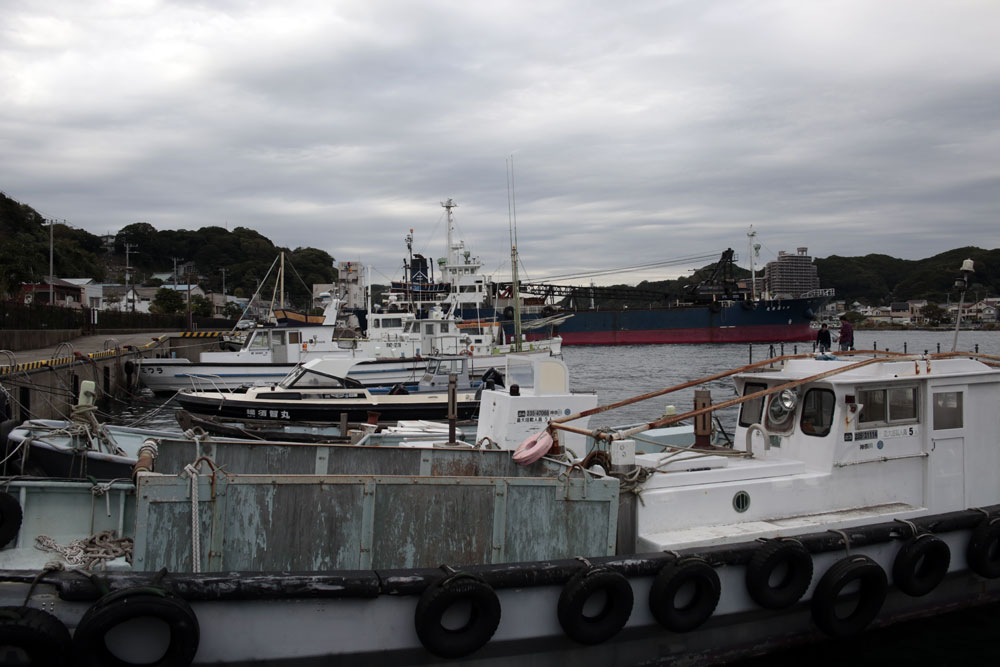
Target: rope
column 89, row 552
column 191, row 470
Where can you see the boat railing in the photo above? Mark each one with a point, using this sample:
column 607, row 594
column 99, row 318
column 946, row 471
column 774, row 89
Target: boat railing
column 215, row 382
column 876, row 357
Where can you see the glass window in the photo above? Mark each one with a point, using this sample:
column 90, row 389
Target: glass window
column 872, row 406
column 277, row 338
column 259, row 340
column 902, row 404
column 817, row 412
column 947, row 410
column 309, row 380
column 294, row 337
column 751, row 410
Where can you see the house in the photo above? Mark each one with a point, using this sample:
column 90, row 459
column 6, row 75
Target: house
column 93, row 292
column 63, row 293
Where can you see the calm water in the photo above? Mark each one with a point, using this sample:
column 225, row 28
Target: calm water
column 616, row 373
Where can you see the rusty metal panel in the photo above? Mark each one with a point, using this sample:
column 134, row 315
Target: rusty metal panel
column 420, row 524
column 568, row 525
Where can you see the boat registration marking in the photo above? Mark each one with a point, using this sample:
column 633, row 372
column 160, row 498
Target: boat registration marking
column 272, row 414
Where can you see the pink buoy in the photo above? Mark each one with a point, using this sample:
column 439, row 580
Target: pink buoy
column 533, row 448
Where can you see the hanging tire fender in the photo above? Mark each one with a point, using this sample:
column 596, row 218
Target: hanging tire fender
column 438, row 598
column 508, row 313
column 674, row 576
column 983, row 551
column 921, row 564
column 609, row 620
column 125, row 605
column 872, row 587
column 784, row 556
column 37, row 634
column 10, row 518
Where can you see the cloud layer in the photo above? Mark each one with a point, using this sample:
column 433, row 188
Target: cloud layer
column 639, row 133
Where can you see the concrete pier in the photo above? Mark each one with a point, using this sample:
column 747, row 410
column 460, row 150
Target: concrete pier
column 44, row 383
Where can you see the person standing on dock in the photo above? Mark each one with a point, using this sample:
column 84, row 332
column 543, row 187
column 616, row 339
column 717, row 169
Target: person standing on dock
column 823, row 339
column 846, row 334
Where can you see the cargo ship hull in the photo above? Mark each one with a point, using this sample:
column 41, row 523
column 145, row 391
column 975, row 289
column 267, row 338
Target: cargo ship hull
column 723, row 322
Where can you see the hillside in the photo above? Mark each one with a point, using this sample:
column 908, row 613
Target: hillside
column 246, row 256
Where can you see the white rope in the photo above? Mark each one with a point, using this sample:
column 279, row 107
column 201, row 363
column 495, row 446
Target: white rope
column 89, row 552
column 192, row 472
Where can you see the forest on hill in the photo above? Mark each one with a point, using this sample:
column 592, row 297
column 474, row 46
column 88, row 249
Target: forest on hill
column 246, row 256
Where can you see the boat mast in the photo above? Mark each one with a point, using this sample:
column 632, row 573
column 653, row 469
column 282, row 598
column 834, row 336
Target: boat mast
column 752, row 249
column 512, row 224
column 281, row 276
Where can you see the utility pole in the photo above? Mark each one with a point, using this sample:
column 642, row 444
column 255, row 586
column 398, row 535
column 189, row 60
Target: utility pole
column 52, row 302
column 176, row 259
column 128, row 272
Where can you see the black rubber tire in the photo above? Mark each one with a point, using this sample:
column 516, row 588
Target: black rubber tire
column 674, row 576
column 548, row 311
column 35, row 634
column 770, row 556
column 435, row 602
column 983, row 552
column 10, row 518
column 128, row 604
column 920, row 565
column 873, row 586
column 613, row 615
column 508, row 313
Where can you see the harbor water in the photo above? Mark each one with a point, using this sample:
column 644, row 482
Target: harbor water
column 615, row 373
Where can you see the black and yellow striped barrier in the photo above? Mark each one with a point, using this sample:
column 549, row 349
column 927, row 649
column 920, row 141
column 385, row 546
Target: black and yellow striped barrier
column 62, row 361
column 201, row 334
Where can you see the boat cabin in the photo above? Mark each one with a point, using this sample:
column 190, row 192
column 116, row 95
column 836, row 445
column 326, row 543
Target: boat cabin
column 835, row 443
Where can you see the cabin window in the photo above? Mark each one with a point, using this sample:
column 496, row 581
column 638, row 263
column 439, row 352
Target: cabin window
column 429, row 329
column 872, row 406
column 817, row 412
column 277, row 338
column 376, row 324
column 317, row 380
column 895, row 405
column 947, row 410
column 751, row 410
column 294, row 337
column 259, row 341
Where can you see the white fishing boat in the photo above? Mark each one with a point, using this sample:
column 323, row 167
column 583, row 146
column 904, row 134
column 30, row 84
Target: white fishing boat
column 395, row 352
column 860, row 490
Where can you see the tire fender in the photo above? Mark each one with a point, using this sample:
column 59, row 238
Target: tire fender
column 38, row 634
column 125, row 605
column 674, row 576
column 788, row 557
column 10, row 518
column 920, row 565
column 983, row 552
column 872, row 588
column 609, row 620
column 484, row 616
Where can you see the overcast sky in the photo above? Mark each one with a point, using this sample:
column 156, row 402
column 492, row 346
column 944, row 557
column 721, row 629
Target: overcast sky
column 640, row 131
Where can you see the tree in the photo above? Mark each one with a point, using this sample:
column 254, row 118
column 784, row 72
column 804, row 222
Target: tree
column 232, row 310
column 934, row 314
column 201, row 306
column 167, row 302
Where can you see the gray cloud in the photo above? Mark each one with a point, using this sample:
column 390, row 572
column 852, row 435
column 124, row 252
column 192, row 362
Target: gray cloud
column 639, row 133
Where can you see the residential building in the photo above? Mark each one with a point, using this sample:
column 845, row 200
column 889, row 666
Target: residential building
column 63, row 292
column 791, row 275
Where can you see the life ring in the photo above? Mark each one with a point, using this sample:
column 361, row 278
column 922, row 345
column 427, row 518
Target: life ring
column 871, row 592
column 125, row 605
column 533, row 448
column 37, row 634
column 683, row 574
column 508, row 313
column 779, row 573
column 983, row 552
column 439, row 597
column 10, row 518
column 921, row 564
column 613, row 614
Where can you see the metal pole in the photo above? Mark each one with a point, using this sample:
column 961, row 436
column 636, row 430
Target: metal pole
column 52, row 274
column 958, row 320
column 452, row 406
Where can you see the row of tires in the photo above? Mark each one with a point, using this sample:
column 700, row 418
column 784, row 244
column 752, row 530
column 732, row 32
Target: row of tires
column 683, row 596
column 686, row 591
